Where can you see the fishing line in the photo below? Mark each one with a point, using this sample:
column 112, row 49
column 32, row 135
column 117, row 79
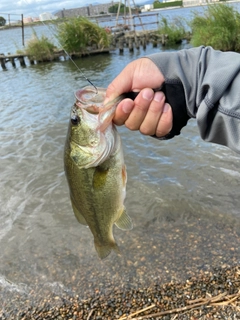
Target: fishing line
column 65, row 51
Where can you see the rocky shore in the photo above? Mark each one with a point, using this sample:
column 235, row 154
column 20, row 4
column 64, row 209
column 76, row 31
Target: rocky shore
column 195, row 276
column 209, row 295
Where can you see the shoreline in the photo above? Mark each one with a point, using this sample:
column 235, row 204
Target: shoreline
column 210, row 294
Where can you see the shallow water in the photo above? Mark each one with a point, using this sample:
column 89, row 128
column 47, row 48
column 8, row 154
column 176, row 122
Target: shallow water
column 182, row 194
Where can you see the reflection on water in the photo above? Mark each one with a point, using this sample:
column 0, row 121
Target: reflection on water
column 182, row 194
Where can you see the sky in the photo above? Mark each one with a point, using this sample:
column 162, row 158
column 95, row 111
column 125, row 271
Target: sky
column 35, row 7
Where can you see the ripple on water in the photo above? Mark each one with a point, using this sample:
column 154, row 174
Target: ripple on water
column 183, row 194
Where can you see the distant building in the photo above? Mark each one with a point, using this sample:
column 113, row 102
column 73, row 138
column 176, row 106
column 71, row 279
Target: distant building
column 27, row 20
column 46, row 16
column 147, row 7
column 91, row 10
column 35, row 19
column 188, row 3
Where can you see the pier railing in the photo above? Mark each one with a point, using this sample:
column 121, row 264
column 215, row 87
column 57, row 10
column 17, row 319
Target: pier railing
column 11, row 22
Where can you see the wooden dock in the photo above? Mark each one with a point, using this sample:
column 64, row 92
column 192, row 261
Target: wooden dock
column 12, row 59
column 24, row 60
column 121, row 41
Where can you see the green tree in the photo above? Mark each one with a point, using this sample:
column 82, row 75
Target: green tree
column 159, row 5
column 114, row 8
column 2, row 21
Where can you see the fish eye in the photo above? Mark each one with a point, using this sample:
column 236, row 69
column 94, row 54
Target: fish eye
column 75, row 120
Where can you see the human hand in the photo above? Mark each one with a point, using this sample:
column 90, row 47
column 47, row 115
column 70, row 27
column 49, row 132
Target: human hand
column 148, row 113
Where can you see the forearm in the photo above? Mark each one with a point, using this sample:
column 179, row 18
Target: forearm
column 210, row 84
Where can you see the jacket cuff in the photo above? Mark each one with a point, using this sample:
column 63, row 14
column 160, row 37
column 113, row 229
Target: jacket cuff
column 174, row 93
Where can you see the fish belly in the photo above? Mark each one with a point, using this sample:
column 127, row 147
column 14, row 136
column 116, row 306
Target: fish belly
column 97, row 196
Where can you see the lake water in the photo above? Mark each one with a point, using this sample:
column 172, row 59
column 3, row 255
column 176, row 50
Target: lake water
column 183, row 194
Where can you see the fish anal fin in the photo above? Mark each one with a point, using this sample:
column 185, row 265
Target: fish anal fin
column 104, row 250
column 124, row 222
column 78, row 215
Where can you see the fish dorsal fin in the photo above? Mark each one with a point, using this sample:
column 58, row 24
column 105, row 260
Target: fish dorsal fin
column 78, row 215
column 124, row 222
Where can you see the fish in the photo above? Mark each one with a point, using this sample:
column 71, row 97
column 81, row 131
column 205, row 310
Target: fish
column 95, row 169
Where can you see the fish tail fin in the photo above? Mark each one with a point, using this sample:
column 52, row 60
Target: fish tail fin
column 104, row 250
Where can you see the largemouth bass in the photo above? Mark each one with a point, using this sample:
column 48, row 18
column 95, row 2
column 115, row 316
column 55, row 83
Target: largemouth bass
column 95, row 169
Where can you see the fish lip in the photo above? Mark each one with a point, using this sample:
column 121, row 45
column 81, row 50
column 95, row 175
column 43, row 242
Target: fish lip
column 88, row 99
column 88, row 93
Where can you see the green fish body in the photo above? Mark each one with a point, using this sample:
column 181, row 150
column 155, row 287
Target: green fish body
column 96, row 174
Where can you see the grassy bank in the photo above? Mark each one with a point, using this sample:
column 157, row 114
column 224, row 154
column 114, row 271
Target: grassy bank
column 219, row 27
column 76, row 36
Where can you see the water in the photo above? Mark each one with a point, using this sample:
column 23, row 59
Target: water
column 183, row 194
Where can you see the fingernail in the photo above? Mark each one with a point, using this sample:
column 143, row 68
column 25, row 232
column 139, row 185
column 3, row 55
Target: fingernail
column 166, row 107
column 158, row 96
column 147, row 95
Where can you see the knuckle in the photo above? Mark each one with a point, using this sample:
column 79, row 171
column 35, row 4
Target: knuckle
column 146, row 130
column 131, row 126
column 142, row 107
column 155, row 109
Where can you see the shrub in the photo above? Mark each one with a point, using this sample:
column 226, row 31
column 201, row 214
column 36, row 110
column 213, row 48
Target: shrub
column 77, row 34
column 219, row 27
column 2, row 21
column 175, row 30
column 40, row 49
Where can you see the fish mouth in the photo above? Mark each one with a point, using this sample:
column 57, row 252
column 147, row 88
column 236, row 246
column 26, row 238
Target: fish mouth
column 93, row 102
column 90, row 99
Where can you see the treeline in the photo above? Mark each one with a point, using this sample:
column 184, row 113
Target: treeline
column 160, row 5
column 123, row 9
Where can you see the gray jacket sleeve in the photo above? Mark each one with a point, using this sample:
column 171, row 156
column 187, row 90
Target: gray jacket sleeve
column 209, row 82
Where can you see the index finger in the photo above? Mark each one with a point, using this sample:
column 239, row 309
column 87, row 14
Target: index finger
column 137, row 75
column 122, row 83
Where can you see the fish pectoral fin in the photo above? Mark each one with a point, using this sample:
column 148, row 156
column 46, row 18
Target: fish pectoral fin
column 75, row 155
column 82, row 156
column 99, row 177
column 124, row 222
column 104, row 250
column 78, row 215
